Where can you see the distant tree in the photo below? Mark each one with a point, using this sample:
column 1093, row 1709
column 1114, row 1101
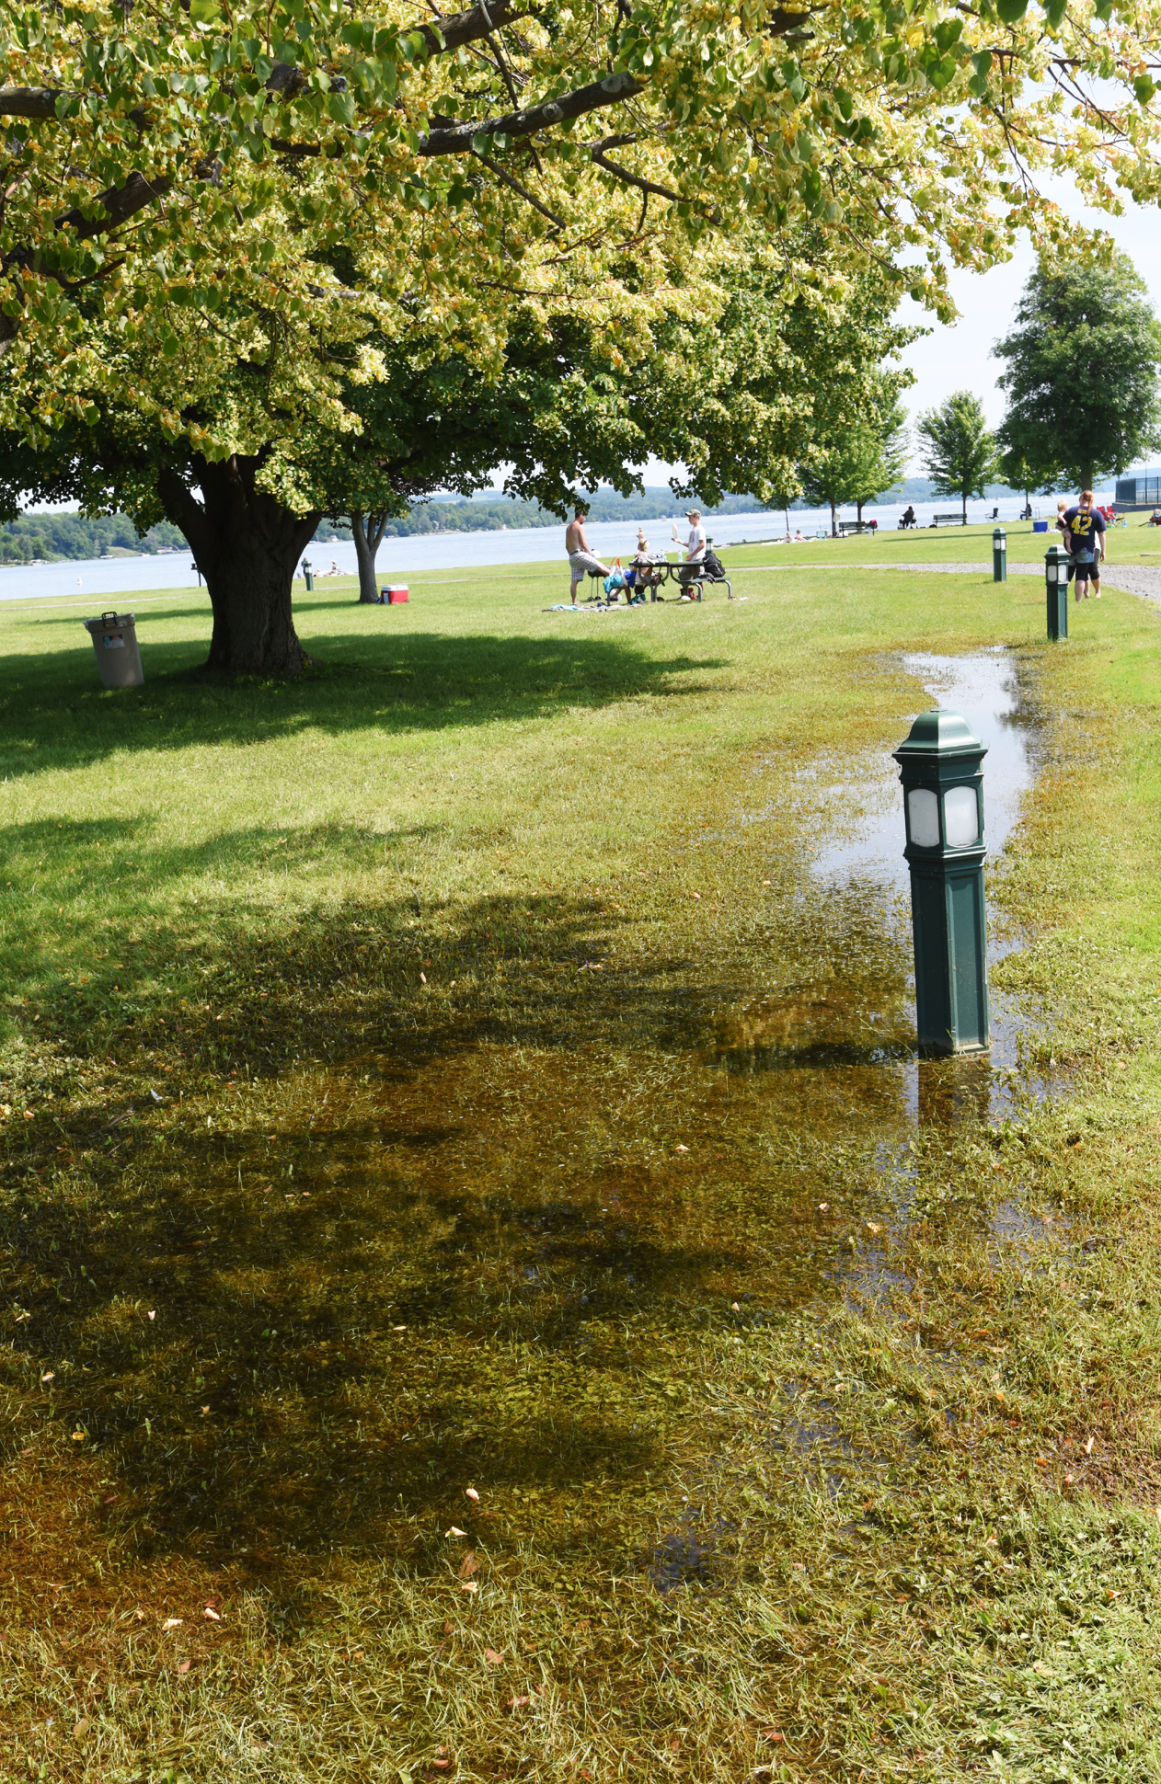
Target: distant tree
column 960, row 454
column 1081, row 375
column 860, row 456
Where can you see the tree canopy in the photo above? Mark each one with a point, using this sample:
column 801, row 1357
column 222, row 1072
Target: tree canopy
column 1082, row 366
column 339, row 167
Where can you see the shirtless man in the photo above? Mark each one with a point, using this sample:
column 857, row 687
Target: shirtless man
column 580, row 558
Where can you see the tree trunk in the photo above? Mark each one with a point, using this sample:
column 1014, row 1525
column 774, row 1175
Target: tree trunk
column 859, row 510
column 963, row 493
column 247, row 545
column 368, row 533
column 833, row 521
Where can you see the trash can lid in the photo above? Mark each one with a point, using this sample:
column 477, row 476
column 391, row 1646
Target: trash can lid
column 110, row 622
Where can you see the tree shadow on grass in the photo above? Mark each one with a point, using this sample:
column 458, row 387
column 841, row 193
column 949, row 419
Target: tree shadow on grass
column 53, row 717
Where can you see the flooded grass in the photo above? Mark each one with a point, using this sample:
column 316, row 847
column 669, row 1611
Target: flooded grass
column 487, row 1290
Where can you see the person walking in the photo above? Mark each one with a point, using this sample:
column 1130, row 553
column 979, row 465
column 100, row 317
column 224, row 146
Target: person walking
column 1086, row 536
column 580, row 558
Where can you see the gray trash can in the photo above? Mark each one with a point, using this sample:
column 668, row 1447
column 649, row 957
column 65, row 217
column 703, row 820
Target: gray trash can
column 114, row 638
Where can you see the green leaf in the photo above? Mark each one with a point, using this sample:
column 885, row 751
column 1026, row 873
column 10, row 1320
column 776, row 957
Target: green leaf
column 1011, row 11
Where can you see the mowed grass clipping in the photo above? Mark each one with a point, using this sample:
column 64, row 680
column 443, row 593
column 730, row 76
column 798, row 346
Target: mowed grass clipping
column 477, row 1300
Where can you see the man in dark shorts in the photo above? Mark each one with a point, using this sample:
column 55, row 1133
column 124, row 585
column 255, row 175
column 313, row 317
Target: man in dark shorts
column 1085, row 527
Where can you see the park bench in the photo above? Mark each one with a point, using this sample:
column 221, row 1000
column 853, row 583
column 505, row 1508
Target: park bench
column 948, row 520
column 854, row 526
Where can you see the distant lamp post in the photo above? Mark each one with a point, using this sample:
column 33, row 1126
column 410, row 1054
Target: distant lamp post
column 943, row 802
column 1056, row 567
column 308, row 575
column 999, row 555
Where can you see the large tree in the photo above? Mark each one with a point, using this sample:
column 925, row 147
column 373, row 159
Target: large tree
column 730, row 389
column 176, row 153
column 1081, row 375
column 959, row 452
column 215, row 215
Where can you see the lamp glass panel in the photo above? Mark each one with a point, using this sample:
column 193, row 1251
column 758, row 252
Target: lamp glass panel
column 961, row 817
column 923, row 817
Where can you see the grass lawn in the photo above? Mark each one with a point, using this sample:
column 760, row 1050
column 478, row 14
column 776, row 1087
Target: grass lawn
column 477, row 1300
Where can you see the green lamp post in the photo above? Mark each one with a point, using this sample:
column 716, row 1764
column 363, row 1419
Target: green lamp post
column 943, row 803
column 999, row 555
column 1056, row 567
column 308, row 575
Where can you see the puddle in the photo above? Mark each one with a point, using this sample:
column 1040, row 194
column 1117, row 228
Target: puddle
column 985, row 690
column 863, row 870
column 504, row 1240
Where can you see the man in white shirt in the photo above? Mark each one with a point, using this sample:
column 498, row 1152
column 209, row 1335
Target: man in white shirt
column 694, row 549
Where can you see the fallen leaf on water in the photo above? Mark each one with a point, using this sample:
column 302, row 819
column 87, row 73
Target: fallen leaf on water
column 470, row 1493
column 454, row 1530
column 493, row 1658
column 469, row 1565
column 172, row 1623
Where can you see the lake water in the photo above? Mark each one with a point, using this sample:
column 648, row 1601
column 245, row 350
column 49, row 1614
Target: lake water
column 92, row 580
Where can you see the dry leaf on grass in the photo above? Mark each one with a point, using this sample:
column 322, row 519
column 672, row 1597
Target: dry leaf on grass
column 469, row 1565
column 172, row 1623
column 184, row 1666
column 493, row 1658
column 211, row 1615
column 518, row 1703
column 468, row 1586
column 470, row 1493
column 454, row 1530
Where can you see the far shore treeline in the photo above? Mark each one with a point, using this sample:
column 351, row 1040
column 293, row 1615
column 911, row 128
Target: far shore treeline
column 50, row 537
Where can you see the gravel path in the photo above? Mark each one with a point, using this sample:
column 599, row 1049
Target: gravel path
column 1133, row 579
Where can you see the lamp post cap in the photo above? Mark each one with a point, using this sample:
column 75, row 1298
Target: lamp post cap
column 940, row 733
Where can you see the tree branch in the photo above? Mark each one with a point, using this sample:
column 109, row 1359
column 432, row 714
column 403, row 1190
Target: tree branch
column 633, row 179
column 521, row 191
column 453, row 138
